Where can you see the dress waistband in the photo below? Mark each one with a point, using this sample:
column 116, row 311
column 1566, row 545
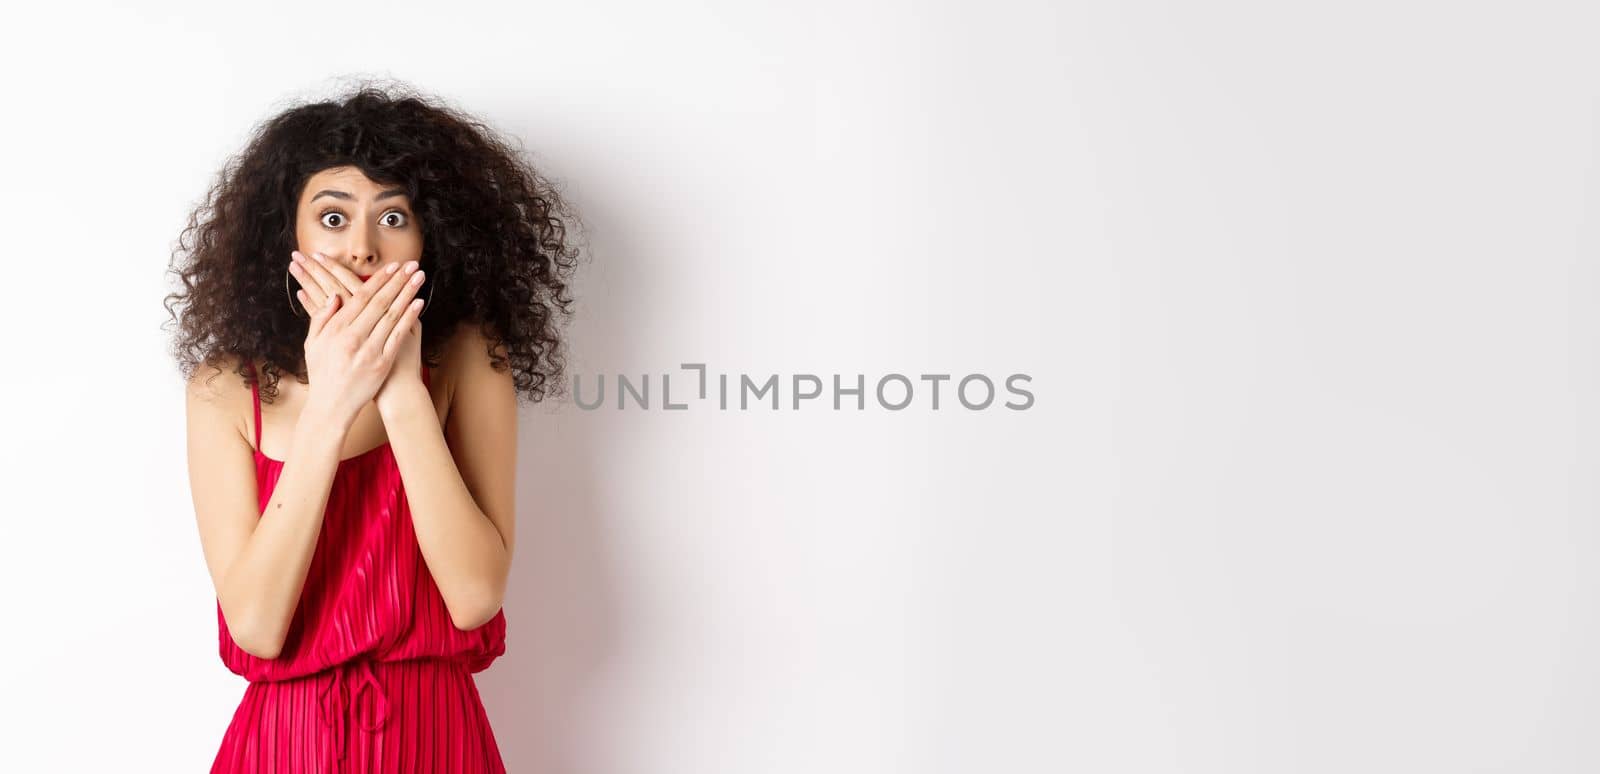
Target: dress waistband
column 336, row 701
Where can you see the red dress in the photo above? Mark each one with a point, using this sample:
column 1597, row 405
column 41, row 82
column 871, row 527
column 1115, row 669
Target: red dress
column 373, row 675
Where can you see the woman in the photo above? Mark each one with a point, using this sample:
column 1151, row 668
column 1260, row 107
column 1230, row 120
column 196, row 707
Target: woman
column 357, row 520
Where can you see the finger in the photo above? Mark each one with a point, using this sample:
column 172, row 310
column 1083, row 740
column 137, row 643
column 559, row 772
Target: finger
column 346, row 279
column 354, row 301
column 395, row 283
column 394, row 318
column 324, row 280
column 310, row 306
column 307, row 282
column 403, row 328
column 387, row 303
column 323, row 314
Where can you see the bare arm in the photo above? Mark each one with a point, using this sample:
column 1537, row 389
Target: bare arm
column 461, row 481
column 258, row 560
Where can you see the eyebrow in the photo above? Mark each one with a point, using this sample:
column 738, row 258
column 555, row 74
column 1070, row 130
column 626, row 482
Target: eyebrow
column 346, row 196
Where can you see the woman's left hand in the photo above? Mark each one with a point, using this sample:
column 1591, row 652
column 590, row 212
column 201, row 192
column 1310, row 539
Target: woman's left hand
column 406, row 375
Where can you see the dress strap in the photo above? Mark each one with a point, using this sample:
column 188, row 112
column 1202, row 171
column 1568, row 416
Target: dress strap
column 255, row 396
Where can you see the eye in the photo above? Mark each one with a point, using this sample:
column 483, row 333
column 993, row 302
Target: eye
column 332, row 219
column 393, row 218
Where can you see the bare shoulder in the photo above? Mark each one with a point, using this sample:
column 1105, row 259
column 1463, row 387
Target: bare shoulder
column 216, row 378
column 468, row 346
column 467, row 366
column 217, row 381
column 467, row 355
column 217, row 396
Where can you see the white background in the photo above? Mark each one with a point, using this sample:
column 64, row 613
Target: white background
column 1307, row 293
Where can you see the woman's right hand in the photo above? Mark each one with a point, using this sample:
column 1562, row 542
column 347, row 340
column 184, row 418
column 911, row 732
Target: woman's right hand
column 354, row 334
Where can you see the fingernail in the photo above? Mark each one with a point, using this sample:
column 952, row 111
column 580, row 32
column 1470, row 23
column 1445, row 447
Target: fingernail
column 317, row 256
column 391, row 268
column 295, row 257
column 411, row 266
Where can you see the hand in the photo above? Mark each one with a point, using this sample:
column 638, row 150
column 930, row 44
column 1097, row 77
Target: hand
column 358, row 329
column 406, row 374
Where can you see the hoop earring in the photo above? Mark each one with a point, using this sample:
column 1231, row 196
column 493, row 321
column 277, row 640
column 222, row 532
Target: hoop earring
column 299, row 311
column 427, row 302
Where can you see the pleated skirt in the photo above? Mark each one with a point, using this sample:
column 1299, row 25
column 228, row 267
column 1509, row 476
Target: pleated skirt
column 418, row 716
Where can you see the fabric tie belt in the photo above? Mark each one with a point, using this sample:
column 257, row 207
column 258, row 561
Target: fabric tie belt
column 337, row 699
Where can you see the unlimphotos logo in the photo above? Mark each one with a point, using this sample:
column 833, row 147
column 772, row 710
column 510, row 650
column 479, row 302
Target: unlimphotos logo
column 894, row 392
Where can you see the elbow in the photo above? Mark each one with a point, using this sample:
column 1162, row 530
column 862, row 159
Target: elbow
column 473, row 614
column 259, row 645
column 467, row 624
column 263, row 649
column 254, row 638
column 477, row 601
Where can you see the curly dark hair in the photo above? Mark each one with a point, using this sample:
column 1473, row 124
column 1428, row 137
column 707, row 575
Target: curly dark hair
column 495, row 236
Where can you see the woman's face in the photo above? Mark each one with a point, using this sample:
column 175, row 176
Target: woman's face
column 356, row 222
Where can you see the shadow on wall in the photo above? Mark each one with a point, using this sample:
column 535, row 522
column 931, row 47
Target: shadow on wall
column 562, row 612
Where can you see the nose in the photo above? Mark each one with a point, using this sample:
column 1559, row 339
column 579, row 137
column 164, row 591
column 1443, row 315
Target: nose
column 363, row 251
